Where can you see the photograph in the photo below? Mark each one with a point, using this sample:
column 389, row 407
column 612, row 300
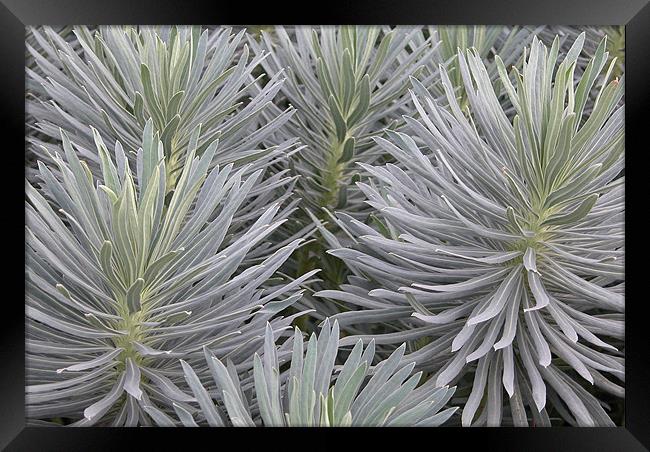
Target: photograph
column 328, row 225
column 325, row 226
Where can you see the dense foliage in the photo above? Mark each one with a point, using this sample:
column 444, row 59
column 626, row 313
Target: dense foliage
column 423, row 207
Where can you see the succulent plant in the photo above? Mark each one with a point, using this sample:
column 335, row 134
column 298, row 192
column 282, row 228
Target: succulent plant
column 344, row 82
column 487, row 41
column 506, row 239
column 347, row 84
column 451, row 198
column 315, row 392
column 184, row 79
column 121, row 283
column 593, row 36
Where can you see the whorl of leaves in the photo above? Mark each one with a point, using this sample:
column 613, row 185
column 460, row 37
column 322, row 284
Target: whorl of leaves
column 121, row 282
column 316, row 392
column 487, row 41
column 346, row 83
column 505, row 237
column 184, row 79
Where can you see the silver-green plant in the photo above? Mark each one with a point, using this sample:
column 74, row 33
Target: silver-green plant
column 315, row 391
column 182, row 78
column 593, row 36
column 33, row 45
column 347, row 83
column 483, row 247
column 487, row 41
column 121, row 284
column 506, row 238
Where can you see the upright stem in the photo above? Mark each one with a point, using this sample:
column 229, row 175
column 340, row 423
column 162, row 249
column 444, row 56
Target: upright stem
column 332, row 174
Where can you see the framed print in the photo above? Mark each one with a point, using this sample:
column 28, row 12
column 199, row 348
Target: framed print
column 384, row 218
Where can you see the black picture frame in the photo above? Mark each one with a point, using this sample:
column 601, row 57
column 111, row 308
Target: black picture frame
column 16, row 14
